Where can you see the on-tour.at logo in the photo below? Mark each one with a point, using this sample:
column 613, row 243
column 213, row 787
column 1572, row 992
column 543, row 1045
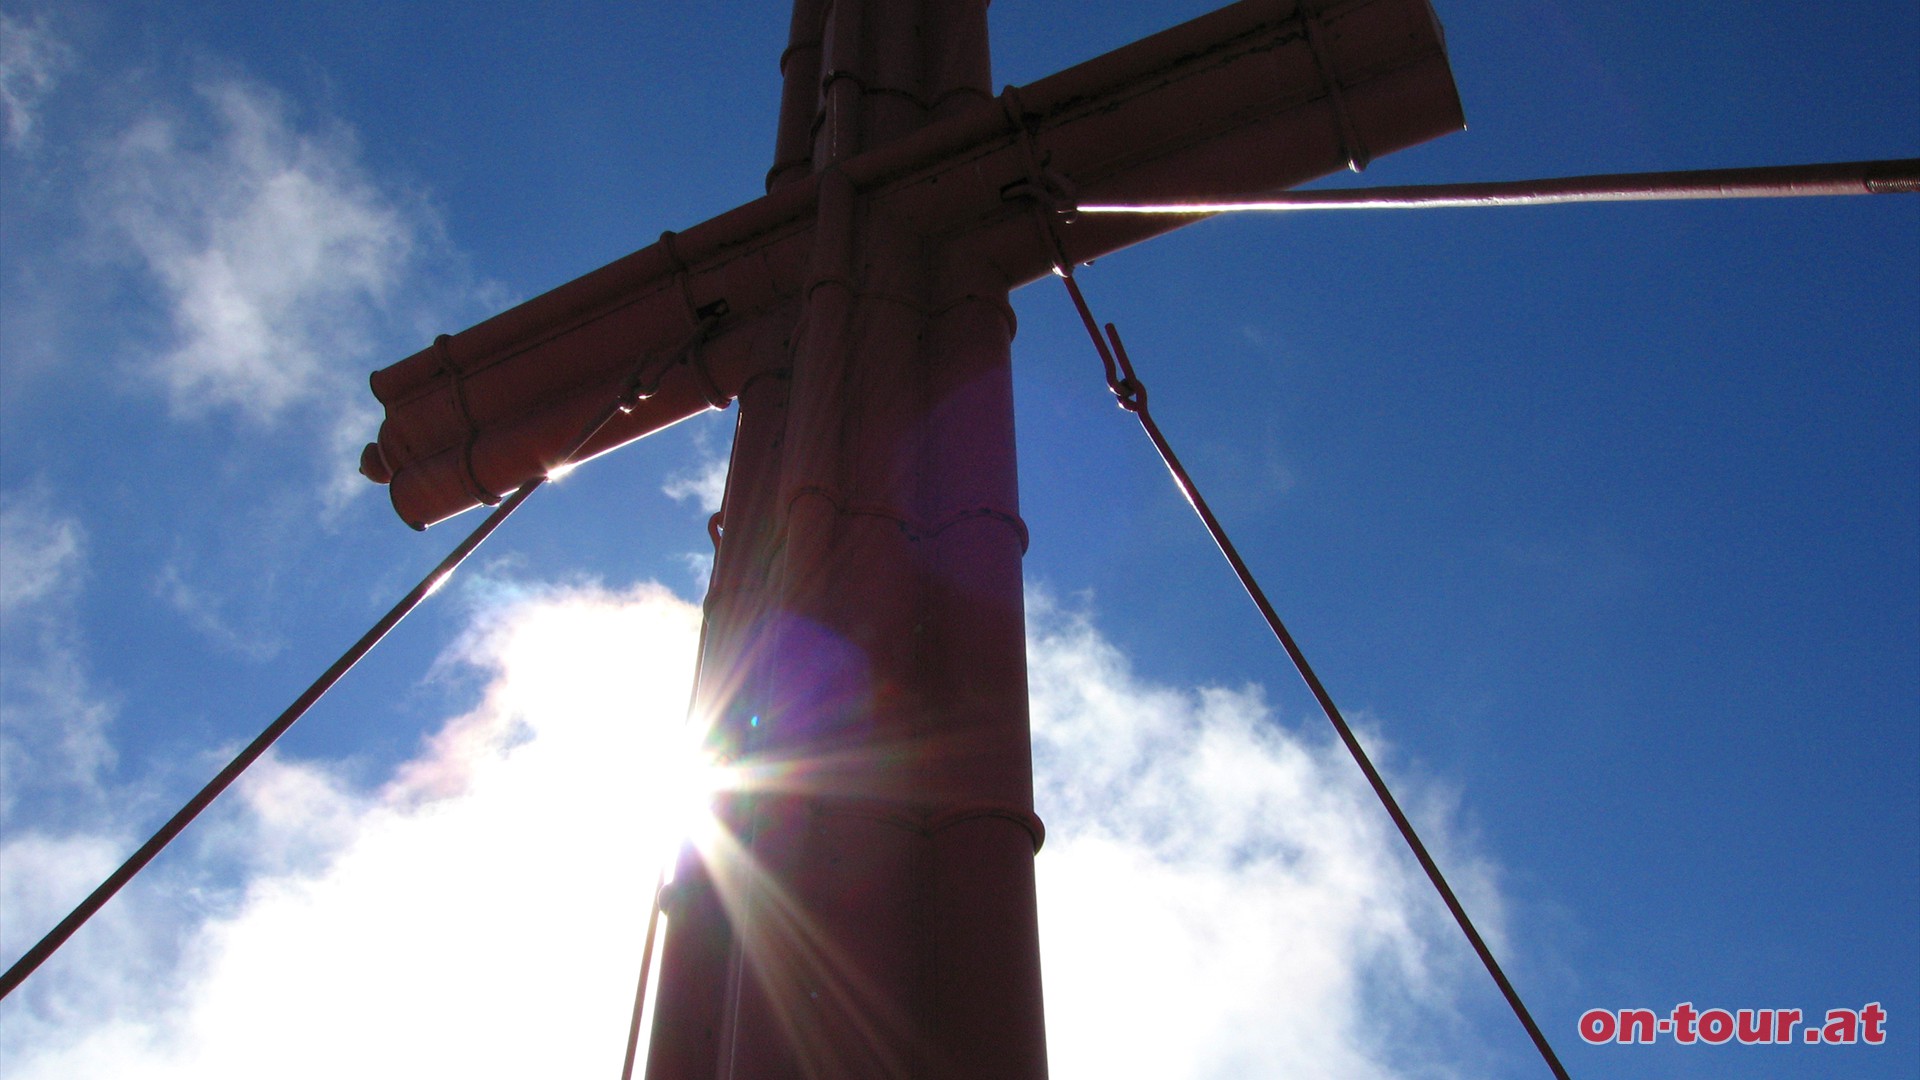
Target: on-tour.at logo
column 1747, row 1027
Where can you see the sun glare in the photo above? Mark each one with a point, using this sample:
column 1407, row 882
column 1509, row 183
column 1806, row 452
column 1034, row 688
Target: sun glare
column 687, row 783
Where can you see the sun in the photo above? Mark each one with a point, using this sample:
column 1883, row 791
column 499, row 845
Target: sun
column 686, row 784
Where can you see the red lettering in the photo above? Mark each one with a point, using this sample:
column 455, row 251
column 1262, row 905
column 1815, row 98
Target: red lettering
column 1756, row 1026
column 1839, row 1027
column 1636, row 1025
column 1716, row 1026
column 1873, row 1021
column 1596, row 1026
column 1683, row 1016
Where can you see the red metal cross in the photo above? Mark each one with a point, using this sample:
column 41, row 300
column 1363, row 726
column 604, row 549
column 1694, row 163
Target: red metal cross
column 868, row 910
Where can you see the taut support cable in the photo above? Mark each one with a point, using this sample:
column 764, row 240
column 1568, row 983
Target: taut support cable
column 1131, row 393
column 1890, row 177
column 646, row 972
column 632, row 390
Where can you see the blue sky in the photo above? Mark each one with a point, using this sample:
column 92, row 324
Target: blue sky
column 1602, row 521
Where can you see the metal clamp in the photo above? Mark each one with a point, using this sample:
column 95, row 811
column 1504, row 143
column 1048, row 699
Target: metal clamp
column 456, row 380
column 1356, row 152
column 1051, row 194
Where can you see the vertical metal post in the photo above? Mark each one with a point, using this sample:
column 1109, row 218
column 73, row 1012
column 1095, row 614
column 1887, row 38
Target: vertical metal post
column 873, row 914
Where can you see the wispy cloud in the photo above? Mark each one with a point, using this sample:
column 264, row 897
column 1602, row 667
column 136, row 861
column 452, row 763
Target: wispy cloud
column 281, row 269
column 53, row 724
column 40, row 551
column 202, row 611
column 32, row 59
column 275, row 253
column 54, row 756
column 705, row 483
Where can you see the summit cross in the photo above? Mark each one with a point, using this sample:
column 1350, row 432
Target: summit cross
column 866, row 908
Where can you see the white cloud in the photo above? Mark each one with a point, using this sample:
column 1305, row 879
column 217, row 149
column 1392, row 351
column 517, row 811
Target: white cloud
column 275, row 254
column 479, row 915
column 1223, row 883
column 355, row 421
column 40, row 552
column 201, row 611
column 705, row 483
column 699, row 566
column 54, row 749
column 31, row 62
column 53, row 725
column 273, row 269
column 99, row 971
column 1218, row 897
